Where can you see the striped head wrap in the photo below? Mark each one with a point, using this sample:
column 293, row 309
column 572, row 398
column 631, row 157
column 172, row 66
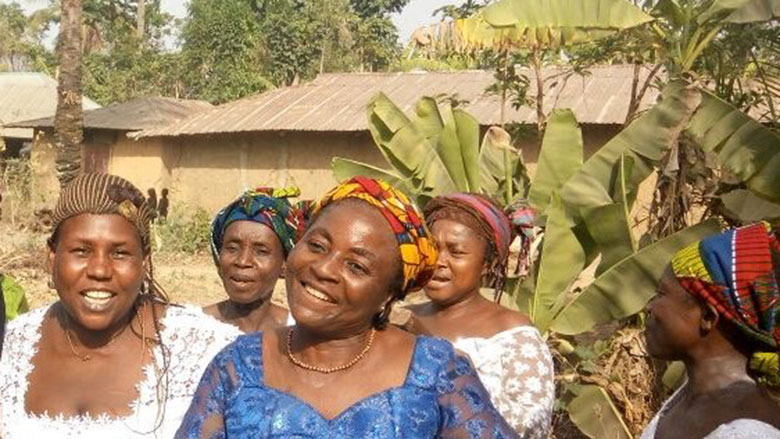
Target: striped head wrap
column 484, row 217
column 418, row 253
column 737, row 273
column 268, row 206
column 104, row 194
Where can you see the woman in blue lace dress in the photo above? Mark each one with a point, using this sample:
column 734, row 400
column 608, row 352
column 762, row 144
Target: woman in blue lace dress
column 341, row 371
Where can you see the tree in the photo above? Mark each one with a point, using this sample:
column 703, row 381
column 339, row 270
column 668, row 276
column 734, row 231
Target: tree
column 69, row 118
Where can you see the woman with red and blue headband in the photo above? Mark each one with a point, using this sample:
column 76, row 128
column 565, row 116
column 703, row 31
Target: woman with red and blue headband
column 717, row 309
column 473, row 236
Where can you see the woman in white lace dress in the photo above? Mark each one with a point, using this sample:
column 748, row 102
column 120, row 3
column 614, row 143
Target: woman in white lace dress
column 717, row 309
column 473, row 237
column 111, row 358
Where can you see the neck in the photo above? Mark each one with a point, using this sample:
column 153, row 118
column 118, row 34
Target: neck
column 90, row 339
column 716, row 372
column 248, row 316
column 460, row 308
column 327, row 351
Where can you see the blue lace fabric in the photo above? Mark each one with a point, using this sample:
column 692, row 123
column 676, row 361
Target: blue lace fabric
column 441, row 397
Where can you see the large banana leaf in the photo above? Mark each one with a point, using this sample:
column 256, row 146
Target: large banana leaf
column 744, row 147
column 492, row 166
column 344, row 169
column 744, row 11
column 595, row 415
column 742, row 205
column 562, row 260
column 407, row 144
column 523, row 24
column 560, row 157
column 626, row 288
column 644, row 142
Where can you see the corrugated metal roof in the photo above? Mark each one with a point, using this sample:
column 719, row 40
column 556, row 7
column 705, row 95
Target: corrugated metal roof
column 337, row 102
column 133, row 115
column 25, row 96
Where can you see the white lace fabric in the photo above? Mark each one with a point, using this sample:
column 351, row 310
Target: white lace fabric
column 193, row 339
column 737, row 429
column 516, row 368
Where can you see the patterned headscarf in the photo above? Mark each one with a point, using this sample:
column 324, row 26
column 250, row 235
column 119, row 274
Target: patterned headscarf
column 105, row 194
column 267, row 206
column 736, row 272
column 486, row 218
column 418, row 253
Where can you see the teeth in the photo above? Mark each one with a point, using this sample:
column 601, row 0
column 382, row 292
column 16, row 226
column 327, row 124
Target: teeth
column 98, row 295
column 318, row 294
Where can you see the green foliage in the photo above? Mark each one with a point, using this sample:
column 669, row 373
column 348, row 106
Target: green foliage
column 437, row 151
column 20, row 40
column 14, row 297
column 185, row 230
column 220, row 54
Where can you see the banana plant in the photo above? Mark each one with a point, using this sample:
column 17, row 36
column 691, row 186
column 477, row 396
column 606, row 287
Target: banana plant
column 437, row 150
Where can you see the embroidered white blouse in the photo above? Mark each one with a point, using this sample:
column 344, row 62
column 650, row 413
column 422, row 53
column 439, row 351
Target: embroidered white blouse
column 193, row 339
column 737, row 429
column 516, row 368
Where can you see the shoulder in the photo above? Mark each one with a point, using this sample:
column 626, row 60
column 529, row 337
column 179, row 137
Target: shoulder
column 745, row 429
column 506, row 319
column 27, row 321
column 194, row 320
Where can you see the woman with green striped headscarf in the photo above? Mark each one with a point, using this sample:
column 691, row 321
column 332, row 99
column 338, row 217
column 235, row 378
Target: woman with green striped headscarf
column 250, row 239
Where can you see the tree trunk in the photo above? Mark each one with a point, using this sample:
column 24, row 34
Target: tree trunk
column 540, row 117
column 69, row 119
column 141, row 21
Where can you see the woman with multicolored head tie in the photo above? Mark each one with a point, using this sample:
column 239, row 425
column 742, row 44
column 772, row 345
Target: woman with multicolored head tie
column 473, row 236
column 341, row 370
column 250, row 239
column 112, row 358
column 717, row 309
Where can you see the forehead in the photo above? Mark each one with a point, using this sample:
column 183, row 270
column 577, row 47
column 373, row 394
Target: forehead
column 449, row 230
column 670, row 286
column 356, row 222
column 244, row 229
column 88, row 226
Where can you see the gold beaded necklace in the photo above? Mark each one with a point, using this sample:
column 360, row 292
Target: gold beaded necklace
column 87, row 357
column 296, row 361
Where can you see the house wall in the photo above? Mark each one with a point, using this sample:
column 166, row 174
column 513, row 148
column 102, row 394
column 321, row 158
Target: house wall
column 43, row 156
column 210, row 171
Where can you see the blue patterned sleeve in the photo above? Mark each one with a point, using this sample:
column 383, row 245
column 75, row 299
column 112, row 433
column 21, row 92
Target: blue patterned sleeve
column 205, row 417
column 467, row 412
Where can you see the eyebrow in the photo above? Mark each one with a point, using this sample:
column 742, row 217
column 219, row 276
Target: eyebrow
column 360, row 251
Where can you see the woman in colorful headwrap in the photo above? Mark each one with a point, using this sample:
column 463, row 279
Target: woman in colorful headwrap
column 717, row 309
column 342, row 371
column 250, row 239
column 111, row 358
column 473, row 236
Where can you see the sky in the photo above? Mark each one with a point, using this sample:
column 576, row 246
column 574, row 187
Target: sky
column 416, row 13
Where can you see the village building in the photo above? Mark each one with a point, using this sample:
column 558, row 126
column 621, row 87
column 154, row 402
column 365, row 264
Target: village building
column 107, row 147
column 289, row 136
column 25, row 96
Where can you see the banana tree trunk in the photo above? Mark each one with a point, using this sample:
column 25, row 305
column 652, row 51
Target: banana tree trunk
column 69, row 119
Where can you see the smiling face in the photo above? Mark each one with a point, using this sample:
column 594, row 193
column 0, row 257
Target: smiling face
column 461, row 263
column 341, row 273
column 97, row 266
column 674, row 320
column 250, row 261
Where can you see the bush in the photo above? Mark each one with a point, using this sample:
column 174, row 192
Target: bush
column 185, row 230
